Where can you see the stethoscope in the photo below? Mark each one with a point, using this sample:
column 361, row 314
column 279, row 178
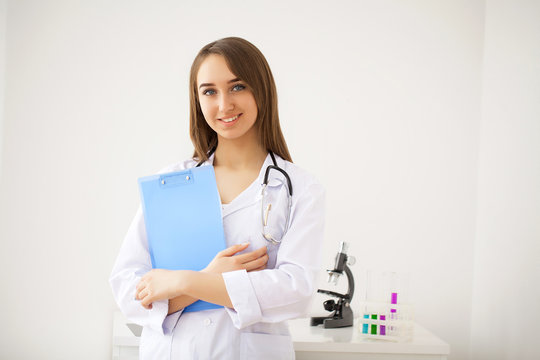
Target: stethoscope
column 266, row 208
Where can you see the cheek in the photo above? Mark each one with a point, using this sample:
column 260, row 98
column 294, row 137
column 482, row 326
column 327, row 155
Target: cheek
column 251, row 105
column 206, row 109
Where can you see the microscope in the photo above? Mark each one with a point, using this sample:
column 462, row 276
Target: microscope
column 342, row 315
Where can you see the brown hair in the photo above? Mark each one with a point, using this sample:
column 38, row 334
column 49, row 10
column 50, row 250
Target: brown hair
column 247, row 63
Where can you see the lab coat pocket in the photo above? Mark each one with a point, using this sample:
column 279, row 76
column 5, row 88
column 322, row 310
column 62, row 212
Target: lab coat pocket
column 266, row 347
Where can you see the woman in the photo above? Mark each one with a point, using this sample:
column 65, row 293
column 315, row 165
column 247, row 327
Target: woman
column 234, row 126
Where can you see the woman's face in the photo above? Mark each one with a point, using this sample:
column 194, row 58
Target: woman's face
column 227, row 104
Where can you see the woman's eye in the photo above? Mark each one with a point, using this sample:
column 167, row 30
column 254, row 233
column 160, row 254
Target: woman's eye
column 235, row 88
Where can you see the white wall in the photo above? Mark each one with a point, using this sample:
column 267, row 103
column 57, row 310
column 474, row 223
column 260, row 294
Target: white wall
column 3, row 28
column 380, row 99
column 506, row 266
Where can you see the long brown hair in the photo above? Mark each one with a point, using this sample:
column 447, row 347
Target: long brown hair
column 249, row 64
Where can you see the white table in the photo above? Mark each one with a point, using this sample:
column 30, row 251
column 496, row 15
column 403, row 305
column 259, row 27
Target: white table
column 125, row 344
column 315, row 343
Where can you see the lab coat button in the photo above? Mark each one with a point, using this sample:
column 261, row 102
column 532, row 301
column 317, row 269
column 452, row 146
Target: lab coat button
column 207, row 321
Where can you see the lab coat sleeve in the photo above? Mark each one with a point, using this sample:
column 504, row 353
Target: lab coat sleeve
column 285, row 292
column 131, row 264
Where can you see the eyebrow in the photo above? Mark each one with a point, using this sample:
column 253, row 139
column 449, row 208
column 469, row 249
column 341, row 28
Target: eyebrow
column 211, row 84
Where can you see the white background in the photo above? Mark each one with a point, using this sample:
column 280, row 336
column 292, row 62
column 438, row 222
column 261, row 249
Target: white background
column 421, row 118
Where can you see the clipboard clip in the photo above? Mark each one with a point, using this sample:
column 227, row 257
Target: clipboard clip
column 176, row 179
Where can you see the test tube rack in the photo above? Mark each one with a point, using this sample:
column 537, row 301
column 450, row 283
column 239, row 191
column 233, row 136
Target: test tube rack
column 385, row 321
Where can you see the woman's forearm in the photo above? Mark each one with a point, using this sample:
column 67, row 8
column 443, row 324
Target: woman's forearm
column 210, row 287
column 205, row 286
column 179, row 303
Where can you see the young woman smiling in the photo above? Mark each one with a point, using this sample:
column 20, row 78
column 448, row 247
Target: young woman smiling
column 267, row 273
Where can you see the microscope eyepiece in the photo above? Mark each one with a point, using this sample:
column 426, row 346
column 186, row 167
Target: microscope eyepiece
column 343, row 247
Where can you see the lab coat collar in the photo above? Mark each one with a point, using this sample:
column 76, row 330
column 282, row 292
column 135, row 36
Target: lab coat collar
column 274, row 178
column 209, row 161
column 252, row 194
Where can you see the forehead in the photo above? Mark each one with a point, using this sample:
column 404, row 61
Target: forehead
column 214, row 69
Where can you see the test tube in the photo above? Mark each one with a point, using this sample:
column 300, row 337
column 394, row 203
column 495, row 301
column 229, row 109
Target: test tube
column 393, row 299
column 365, row 326
column 373, row 326
column 393, row 316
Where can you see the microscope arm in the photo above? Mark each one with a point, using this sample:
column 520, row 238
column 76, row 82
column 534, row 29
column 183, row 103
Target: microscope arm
column 350, row 292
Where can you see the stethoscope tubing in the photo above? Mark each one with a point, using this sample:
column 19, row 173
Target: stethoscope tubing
column 268, row 237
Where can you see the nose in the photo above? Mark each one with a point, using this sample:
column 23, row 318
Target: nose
column 226, row 104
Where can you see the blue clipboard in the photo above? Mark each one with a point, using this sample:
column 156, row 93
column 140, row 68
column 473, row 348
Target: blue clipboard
column 184, row 227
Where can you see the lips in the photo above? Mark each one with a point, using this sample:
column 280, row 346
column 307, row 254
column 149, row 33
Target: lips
column 230, row 119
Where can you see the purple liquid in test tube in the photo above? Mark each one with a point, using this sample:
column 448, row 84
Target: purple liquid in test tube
column 383, row 327
column 393, row 312
column 393, row 301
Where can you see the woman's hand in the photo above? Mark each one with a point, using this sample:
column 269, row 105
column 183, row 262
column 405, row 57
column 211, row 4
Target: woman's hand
column 225, row 261
column 158, row 284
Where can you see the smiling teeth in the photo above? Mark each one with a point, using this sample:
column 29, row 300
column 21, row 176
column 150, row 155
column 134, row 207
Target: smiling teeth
column 231, row 119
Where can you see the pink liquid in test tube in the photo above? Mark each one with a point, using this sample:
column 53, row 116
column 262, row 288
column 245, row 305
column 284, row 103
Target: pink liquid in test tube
column 393, row 314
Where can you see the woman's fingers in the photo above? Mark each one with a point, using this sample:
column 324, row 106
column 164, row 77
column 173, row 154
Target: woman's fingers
column 138, row 292
column 146, row 298
column 257, row 264
column 146, row 302
column 230, row 251
column 226, row 260
column 141, row 294
column 250, row 256
column 141, row 285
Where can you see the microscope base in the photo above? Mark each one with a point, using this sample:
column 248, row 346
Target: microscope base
column 343, row 318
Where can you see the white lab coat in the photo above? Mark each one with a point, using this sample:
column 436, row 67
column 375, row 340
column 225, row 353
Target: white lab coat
column 263, row 300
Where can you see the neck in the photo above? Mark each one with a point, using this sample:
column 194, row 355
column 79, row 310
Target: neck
column 244, row 153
